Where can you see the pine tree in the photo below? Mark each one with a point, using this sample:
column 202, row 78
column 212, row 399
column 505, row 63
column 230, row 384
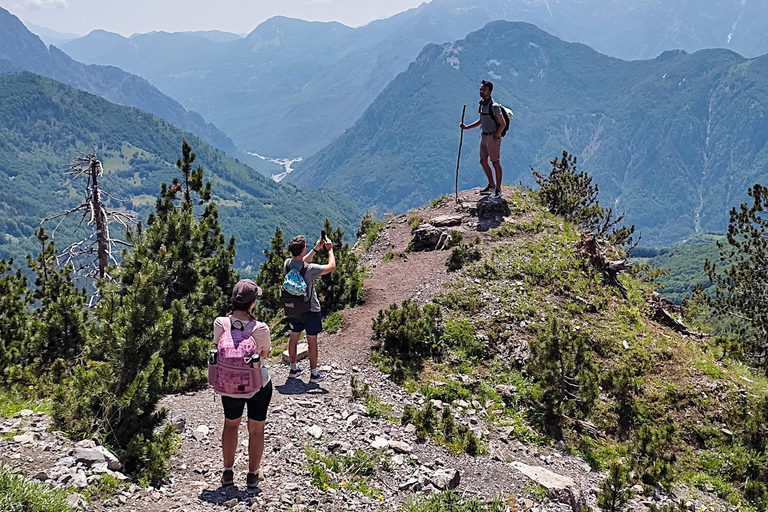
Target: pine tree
column 60, row 318
column 270, row 276
column 114, row 396
column 198, row 269
column 561, row 364
column 741, row 275
column 14, row 300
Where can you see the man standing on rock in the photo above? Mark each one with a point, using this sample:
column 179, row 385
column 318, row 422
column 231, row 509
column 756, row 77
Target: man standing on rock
column 311, row 321
column 492, row 125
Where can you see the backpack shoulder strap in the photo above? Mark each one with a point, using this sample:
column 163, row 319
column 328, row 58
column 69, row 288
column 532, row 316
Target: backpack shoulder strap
column 303, row 270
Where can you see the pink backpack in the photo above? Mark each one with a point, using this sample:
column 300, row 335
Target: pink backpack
column 234, row 368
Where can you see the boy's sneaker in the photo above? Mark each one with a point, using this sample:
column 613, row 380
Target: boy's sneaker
column 487, row 190
column 318, row 376
column 253, row 479
column 227, row 477
column 293, row 374
column 497, row 192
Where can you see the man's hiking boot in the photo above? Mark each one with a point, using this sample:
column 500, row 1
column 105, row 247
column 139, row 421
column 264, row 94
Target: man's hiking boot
column 487, row 190
column 253, row 479
column 318, row 376
column 293, row 374
column 227, row 477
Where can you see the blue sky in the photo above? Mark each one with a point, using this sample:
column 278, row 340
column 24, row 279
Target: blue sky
column 241, row 16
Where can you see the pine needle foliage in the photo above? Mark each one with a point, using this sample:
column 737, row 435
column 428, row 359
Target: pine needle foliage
column 741, row 275
column 562, row 366
column 189, row 246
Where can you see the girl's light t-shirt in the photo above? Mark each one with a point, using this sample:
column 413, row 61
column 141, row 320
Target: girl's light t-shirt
column 260, row 335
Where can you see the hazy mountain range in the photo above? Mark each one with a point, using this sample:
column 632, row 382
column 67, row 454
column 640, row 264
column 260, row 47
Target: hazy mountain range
column 675, row 141
column 291, row 87
column 25, row 51
column 44, row 124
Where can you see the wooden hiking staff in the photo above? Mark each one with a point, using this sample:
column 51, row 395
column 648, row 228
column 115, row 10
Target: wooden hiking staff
column 458, row 160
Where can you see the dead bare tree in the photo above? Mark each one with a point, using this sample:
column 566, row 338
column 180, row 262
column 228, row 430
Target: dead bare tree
column 95, row 252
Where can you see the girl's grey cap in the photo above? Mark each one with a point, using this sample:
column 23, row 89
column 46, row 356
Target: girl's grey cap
column 245, row 292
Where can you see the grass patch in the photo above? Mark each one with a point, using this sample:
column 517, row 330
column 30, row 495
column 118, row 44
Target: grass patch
column 375, row 407
column 451, row 501
column 415, row 221
column 389, row 256
column 330, row 471
column 436, row 201
column 105, row 487
column 11, row 403
column 18, row 494
column 332, row 323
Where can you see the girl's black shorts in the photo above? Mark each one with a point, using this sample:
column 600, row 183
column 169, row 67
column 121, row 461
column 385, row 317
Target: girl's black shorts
column 257, row 405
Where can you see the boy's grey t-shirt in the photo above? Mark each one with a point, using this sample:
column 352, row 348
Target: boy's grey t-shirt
column 313, row 270
column 487, row 123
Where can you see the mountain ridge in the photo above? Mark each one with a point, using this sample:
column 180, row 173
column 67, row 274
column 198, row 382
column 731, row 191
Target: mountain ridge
column 28, row 52
column 632, row 124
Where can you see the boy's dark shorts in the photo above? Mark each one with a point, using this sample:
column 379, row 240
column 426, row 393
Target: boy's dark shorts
column 257, row 405
column 311, row 321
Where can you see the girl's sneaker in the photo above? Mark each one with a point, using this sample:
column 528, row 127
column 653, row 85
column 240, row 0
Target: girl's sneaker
column 318, row 376
column 293, row 374
column 227, row 477
column 253, row 479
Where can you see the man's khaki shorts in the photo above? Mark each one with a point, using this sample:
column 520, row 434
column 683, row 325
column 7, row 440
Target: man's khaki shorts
column 490, row 148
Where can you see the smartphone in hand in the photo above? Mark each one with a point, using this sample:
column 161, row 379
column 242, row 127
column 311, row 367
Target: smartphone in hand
column 322, row 235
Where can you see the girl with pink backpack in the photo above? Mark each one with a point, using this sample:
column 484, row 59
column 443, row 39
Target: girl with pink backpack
column 236, row 373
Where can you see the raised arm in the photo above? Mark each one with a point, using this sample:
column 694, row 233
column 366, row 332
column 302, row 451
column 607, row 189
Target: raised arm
column 331, row 265
column 311, row 253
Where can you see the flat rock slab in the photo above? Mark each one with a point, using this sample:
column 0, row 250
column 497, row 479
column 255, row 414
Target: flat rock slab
column 446, row 220
column 302, row 352
column 545, row 477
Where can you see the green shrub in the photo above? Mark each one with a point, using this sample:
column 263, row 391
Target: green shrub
column 104, row 487
column 652, row 452
column 460, row 336
column 351, row 471
column 461, row 255
column 369, row 230
column 409, row 333
column 614, row 490
column 444, row 429
column 454, row 239
column 415, row 221
column 562, row 366
column 17, row 494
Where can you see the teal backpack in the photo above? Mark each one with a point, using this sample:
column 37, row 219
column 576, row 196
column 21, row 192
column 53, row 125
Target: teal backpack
column 293, row 293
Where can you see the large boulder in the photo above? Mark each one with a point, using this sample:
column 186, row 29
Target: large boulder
column 95, row 455
column 427, row 237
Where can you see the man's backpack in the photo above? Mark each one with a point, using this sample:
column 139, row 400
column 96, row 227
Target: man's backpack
column 506, row 113
column 234, row 366
column 293, row 293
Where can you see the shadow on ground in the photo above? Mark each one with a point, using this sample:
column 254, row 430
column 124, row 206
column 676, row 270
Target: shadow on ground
column 224, row 494
column 299, row 387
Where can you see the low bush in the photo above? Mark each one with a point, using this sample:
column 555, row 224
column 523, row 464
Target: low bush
column 351, row 471
column 409, row 333
column 443, row 428
column 461, row 255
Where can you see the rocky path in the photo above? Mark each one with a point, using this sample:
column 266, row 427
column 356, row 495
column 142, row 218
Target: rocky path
column 324, row 417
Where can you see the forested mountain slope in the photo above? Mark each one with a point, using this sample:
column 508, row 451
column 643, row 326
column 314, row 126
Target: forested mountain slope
column 45, row 124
